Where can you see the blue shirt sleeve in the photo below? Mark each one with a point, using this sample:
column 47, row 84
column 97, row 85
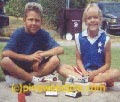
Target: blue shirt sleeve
column 12, row 43
column 50, row 42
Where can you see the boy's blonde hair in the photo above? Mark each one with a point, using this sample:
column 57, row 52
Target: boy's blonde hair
column 32, row 6
column 91, row 5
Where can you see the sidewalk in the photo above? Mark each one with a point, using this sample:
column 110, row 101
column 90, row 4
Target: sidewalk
column 72, row 43
column 6, row 95
column 115, row 41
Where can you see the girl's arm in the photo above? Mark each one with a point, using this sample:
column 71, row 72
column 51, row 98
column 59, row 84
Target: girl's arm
column 79, row 62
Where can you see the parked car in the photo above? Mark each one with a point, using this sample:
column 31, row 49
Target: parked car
column 4, row 20
column 111, row 15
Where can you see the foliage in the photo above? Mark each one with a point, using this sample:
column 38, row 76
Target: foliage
column 78, row 3
column 15, row 7
column 51, row 8
column 101, row 0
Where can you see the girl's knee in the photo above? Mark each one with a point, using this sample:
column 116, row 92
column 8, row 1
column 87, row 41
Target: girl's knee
column 115, row 71
column 115, row 74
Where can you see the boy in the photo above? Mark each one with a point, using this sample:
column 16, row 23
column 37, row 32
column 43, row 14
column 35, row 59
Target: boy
column 31, row 52
column 93, row 50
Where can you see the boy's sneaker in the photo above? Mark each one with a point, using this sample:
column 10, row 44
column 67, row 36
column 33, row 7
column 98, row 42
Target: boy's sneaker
column 115, row 87
column 12, row 80
column 37, row 80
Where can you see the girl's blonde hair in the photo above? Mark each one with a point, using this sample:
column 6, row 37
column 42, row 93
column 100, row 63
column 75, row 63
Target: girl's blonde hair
column 91, row 5
column 32, row 6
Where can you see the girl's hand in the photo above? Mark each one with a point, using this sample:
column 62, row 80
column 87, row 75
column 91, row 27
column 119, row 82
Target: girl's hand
column 85, row 73
column 92, row 74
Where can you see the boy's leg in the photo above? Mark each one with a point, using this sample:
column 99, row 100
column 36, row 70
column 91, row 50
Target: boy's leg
column 14, row 70
column 66, row 70
column 107, row 76
column 48, row 67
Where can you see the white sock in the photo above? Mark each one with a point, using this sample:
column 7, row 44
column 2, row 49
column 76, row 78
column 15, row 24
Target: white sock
column 12, row 80
column 36, row 80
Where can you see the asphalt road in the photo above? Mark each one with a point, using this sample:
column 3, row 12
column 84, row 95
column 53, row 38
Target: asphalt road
column 6, row 95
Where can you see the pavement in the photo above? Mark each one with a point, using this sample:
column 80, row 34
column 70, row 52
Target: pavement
column 72, row 43
column 115, row 41
column 6, row 95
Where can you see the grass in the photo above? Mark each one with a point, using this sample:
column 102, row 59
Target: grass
column 115, row 53
column 69, row 57
column 1, row 73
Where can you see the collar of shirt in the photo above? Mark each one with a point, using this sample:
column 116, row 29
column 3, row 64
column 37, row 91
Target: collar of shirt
column 92, row 40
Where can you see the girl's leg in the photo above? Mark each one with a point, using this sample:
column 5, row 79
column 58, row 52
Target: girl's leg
column 66, row 70
column 108, row 76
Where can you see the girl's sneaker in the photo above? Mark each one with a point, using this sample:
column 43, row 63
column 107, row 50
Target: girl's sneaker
column 115, row 87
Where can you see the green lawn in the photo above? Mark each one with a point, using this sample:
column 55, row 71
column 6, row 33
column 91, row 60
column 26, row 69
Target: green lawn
column 69, row 57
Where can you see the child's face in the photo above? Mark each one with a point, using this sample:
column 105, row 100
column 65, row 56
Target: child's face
column 32, row 22
column 93, row 20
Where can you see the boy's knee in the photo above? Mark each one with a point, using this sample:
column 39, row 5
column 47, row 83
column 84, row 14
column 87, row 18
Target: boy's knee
column 5, row 61
column 55, row 60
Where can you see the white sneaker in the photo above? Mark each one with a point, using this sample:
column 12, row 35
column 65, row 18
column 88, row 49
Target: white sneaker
column 12, row 80
column 116, row 87
column 37, row 80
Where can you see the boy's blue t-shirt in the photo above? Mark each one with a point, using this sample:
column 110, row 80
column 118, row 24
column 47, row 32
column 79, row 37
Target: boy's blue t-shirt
column 22, row 42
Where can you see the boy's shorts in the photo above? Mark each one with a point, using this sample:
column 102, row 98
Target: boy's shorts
column 27, row 66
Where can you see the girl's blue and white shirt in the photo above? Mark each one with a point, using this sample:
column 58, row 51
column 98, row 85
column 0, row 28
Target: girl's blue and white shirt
column 92, row 49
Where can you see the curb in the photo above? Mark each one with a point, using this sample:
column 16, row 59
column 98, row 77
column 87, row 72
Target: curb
column 4, row 39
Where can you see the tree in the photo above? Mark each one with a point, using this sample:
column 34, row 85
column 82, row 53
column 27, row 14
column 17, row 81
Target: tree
column 15, row 8
column 51, row 9
column 78, row 3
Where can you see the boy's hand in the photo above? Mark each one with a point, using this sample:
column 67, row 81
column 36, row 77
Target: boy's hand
column 34, row 57
column 36, row 66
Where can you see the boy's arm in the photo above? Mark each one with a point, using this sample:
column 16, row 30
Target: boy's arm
column 107, row 64
column 79, row 62
column 22, row 57
column 54, row 51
